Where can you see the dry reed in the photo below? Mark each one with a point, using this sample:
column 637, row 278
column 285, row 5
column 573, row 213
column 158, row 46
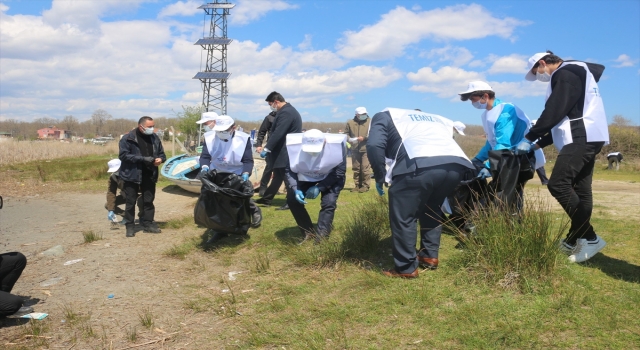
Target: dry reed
column 14, row 152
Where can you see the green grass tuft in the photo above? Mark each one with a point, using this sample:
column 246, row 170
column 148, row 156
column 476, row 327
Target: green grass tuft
column 90, row 236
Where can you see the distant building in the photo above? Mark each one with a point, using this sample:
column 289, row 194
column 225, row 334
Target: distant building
column 53, row 133
column 5, row 134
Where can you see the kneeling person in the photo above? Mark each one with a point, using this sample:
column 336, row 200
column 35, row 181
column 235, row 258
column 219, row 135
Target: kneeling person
column 227, row 150
column 317, row 165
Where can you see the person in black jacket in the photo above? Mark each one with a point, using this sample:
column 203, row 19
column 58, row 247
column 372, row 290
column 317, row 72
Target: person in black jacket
column 287, row 121
column 573, row 119
column 141, row 153
column 268, row 169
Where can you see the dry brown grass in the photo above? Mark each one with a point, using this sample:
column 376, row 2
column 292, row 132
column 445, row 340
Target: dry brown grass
column 14, row 152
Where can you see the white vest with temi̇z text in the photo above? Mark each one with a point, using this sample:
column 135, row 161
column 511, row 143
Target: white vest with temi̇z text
column 227, row 156
column 423, row 135
column 315, row 168
column 595, row 118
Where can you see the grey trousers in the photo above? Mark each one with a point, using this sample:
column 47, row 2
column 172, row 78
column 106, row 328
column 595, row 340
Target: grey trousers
column 418, row 196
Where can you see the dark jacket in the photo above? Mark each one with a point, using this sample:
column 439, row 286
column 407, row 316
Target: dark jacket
column 356, row 128
column 133, row 161
column 264, row 128
column 566, row 100
column 115, row 183
column 385, row 142
column 288, row 121
column 247, row 157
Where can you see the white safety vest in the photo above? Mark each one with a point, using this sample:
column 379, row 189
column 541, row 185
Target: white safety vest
column 315, row 168
column 489, row 118
column 227, row 156
column 595, row 118
column 423, row 135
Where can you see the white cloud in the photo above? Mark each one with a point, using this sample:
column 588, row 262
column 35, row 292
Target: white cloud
column 250, row 10
column 445, row 82
column 625, row 61
column 509, row 64
column 181, row 8
column 85, row 14
column 458, row 56
column 401, row 27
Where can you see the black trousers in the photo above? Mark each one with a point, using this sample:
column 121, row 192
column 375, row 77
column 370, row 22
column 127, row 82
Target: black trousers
column 542, row 174
column 147, row 190
column 11, row 267
column 272, row 190
column 120, row 199
column 328, row 204
column 570, row 185
column 419, row 195
column 266, row 176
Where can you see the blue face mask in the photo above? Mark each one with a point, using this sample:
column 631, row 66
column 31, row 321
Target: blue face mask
column 207, row 128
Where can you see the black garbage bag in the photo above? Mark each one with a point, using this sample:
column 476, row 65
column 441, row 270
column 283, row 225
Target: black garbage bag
column 223, row 204
column 510, row 173
column 470, row 194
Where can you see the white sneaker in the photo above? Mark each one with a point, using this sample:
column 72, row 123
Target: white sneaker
column 585, row 250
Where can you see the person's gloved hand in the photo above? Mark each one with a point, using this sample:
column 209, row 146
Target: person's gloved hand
column 353, row 139
column 204, row 168
column 245, row 177
column 148, row 160
column 263, row 154
column 111, row 216
column 379, row 188
column 523, row 147
column 313, row 192
column 300, row 197
column 484, row 173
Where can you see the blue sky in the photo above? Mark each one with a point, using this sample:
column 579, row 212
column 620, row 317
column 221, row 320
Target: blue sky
column 137, row 57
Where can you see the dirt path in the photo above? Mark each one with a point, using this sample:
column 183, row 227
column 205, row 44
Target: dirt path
column 135, row 270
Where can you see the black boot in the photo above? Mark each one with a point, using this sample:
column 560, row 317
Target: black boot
column 284, row 207
column 131, row 232
column 151, row 228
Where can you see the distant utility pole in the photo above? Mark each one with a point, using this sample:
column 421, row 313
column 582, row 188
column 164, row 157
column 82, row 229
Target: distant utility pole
column 215, row 75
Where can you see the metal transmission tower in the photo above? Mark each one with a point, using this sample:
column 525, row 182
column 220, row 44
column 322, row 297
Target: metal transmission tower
column 215, row 75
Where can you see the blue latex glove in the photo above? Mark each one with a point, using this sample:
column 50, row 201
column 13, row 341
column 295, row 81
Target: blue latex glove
column 204, row 169
column 245, row 177
column 313, row 192
column 379, row 188
column 523, row 147
column 111, row 216
column 484, row 173
column 300, row 197
column 263, row 154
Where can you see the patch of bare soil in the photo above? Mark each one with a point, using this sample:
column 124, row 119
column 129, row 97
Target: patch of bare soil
column 134, row 270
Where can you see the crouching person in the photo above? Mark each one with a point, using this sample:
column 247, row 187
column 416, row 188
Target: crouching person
column 426, row 165
column 113, row 198
column 227, row 150
column 317, row 165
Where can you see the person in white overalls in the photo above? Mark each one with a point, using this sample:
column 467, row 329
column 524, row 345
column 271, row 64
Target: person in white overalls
column 425, row 166
column 504, row 124
column 227, row 150
column 317, row 165
column 574, row 120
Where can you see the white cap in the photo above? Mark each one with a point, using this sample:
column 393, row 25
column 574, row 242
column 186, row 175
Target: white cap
column 361, row 110
column 459, row 126
column 114, row 165
column 207, row 116
column 533, row 122
column 477, row 85
column 312, row 141
column 223, row 123
column 532, row 62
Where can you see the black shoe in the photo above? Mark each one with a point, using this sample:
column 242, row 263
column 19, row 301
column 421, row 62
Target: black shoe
column 256, row 218
column 284, row 207
column 131, row 231
column 215, row 236
column 261, row 191
column 263, row 201
column 151, row 228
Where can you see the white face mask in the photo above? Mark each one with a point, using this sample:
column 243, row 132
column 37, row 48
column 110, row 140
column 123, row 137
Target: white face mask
column 544, row 77
column 479, row 105
column 273, row 107
column 223, row 135
column 207, row 128
column 148, row 131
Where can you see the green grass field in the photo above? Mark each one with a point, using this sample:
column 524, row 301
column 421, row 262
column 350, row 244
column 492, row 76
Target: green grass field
column 327, row 297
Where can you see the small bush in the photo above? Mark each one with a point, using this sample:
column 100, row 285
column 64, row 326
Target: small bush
column 90, row 236
column 365, row 227
column 146, row 318
column 512, row 250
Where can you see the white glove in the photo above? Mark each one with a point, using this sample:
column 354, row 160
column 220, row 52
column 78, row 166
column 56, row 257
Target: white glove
column 353, row 140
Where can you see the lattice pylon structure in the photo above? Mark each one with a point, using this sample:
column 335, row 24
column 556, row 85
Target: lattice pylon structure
column 214, row 76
